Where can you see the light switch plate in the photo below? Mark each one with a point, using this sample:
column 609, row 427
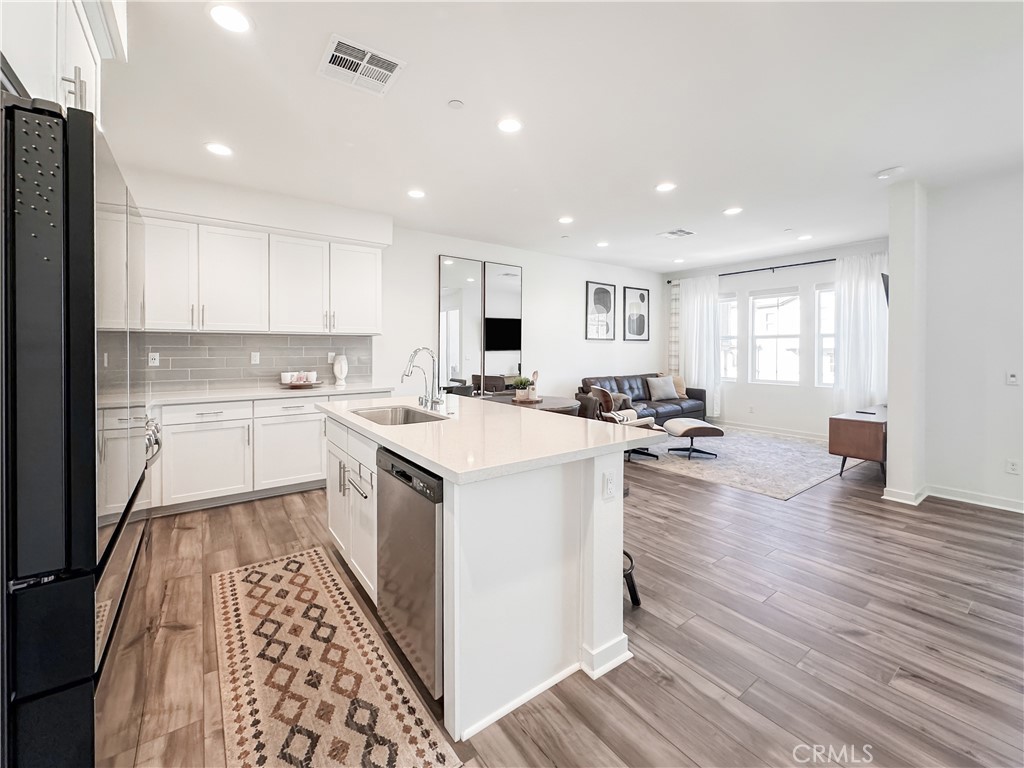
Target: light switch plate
column 154, row 359
column 1011, row 379
column 254, row 358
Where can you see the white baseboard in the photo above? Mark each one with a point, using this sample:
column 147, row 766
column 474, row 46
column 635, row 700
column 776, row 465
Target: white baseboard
column 769, row 430
column 905, row 497
column 238, row 498
column 981, row 499
column 605, row 658
column 472, row 730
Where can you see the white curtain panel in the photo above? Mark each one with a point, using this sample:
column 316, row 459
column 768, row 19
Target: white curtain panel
column 700, row 347
column 862, row 332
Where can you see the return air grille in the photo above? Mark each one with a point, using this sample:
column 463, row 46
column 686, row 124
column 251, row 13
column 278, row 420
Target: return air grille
column 359, row 66
column 675, row 234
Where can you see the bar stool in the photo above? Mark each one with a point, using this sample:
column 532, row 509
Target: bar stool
column 627, row 574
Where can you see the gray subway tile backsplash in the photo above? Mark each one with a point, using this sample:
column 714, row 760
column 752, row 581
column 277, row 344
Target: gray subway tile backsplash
column 218, row 361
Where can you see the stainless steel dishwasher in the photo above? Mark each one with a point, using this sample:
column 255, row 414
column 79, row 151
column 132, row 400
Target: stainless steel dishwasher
column 409, row 580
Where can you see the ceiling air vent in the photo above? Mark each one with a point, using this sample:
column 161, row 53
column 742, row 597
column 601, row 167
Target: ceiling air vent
column 359, row 66
column 675, row 234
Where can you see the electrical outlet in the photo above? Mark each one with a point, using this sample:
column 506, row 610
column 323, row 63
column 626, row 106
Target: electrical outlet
column 750, row 409
column 1011, row 379
column 1012, row 467
column 330, row 357
column 154, row 359
column 608, row 486
column 254, row 358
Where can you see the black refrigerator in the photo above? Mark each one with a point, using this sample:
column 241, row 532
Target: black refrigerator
column 75, row 432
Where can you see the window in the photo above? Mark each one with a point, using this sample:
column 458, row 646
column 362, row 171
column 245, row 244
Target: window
column 825, row 337
column 728, row 321
column 775, row 339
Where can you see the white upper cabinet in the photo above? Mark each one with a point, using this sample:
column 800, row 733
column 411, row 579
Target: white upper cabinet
column 233, row 280
column 172, row 275
column 78, row 60
column 355, row 290
column 299, row 282
column 111, row 269
column 28, row 38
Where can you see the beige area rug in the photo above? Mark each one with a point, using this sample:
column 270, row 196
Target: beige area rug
column 773, row 465
column 306, row 681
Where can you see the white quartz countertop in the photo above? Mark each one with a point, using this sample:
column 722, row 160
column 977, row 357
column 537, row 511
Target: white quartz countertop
column 479, row 439
column 225, row 395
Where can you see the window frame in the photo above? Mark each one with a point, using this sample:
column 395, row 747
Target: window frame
column 777, row 294
column 819, row 337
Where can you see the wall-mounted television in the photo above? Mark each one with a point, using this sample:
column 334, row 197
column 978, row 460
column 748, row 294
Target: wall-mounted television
column 503, row 334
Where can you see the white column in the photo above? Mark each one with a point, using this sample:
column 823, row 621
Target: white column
column 906, row 466
column 604, row 645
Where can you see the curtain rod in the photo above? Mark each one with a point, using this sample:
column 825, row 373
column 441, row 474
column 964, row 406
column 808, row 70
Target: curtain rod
column 768, row 269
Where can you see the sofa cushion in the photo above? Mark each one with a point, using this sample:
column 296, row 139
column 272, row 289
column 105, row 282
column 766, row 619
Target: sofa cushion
column 635, row 386
column 691, row 405
column 662, row 388
column 660, row 409
column 605, row 382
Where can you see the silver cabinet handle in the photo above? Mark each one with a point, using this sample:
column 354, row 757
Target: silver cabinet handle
column 208, row 413
column 202, row 316
column 342, row 470
column 325, row 427
column 357, row 488
column 248, row 434
column 333, row 319
column 291, row 407
column 79, row 87
column 192, row 316
column 325, row 319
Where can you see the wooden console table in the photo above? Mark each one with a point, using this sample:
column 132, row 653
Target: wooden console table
column 859, row 435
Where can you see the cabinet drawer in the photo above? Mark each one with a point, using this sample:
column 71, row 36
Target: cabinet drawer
column 203, row 413
column 119, row 418
column 286, row 406
column 363, row 450
column 337, row 434
column 360, row 396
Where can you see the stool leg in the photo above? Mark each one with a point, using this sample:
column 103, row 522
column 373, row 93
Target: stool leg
column 842, row 466
column 634, row 596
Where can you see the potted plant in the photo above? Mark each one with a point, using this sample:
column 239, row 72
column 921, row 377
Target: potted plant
column 522, row 384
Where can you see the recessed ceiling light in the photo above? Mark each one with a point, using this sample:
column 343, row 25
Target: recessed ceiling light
column 417, row 193
column 230, row 18
column 665, row 186
column 732, row 211
column 218, row 149
column 678, row 261
column 565, row 237
column 448, row 262
column 565, row 220
column 888, row 173
column 602, row 244
column 456, row 104
column 470, row 279
column 804, row 237
column 510, row 125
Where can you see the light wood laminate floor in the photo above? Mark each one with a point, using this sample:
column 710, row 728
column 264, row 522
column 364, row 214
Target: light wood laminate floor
column 833, row 618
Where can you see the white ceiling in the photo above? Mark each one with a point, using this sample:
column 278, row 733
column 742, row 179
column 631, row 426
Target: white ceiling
column 785, row 109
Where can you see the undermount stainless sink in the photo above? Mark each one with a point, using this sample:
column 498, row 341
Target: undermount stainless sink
column 397, row 414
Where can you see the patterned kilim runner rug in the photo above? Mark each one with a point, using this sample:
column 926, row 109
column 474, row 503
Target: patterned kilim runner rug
column 306, row 681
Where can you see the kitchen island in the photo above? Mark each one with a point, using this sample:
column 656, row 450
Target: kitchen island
column 531, row 542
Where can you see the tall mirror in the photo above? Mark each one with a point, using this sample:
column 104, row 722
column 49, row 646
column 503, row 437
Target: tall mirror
column 460, row 347
column 503, row 325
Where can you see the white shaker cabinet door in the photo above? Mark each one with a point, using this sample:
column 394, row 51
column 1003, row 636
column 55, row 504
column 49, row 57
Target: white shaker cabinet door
column 299, row 285
column 338, row 507
column 78, row 59
column 288, row 449
column 203, row 461
column 233, row 275
column 362, row 492
column 172, row 275
column 28, row 38
column 111, row 268
column 355, row 290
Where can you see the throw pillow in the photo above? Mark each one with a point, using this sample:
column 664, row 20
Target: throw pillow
column 680, row 386
column 662, row 388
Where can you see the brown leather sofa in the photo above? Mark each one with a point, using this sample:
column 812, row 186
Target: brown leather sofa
column 635, row 386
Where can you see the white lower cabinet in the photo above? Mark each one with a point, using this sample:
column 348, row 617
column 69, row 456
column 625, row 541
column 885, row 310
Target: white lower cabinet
column 362, row 491
column 288, row 450
column 113, row 479
column 338, row 512
column 204, row 461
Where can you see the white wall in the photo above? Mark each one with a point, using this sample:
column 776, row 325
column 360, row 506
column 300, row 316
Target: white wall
column 553, row 312
column 800, row 409
column 975, row 336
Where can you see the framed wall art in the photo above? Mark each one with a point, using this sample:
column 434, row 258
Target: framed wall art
column 600, row 311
